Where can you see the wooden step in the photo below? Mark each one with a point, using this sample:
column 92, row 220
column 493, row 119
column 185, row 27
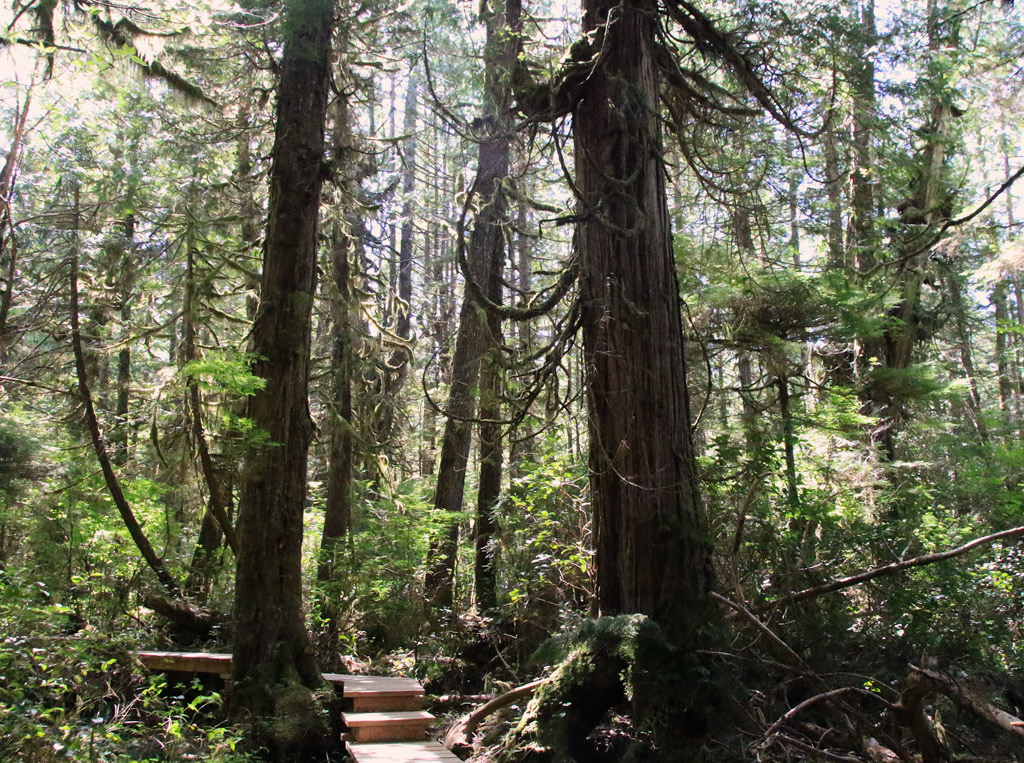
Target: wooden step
column 377, row 693
column 400, row 752
column 387, row 727
column 187, row 662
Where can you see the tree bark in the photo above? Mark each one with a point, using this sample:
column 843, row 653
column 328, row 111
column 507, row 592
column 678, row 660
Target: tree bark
column 653, row 553
column 930, row 204
column 862, row 173
column 475, row 337
column 974, row 408
column 1009, row 401
column 274, row 666
column 393, row 369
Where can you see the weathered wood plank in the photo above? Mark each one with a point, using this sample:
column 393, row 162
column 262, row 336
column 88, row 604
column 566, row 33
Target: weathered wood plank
column 376, row 685
column 187, row 662
column 391, row 726
column 400, row 752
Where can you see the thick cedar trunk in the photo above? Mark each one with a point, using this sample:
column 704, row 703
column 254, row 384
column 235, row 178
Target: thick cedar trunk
column 475, row 339
column 653, row 554
column 272, row 651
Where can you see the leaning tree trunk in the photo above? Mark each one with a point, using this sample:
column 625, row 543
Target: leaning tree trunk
column 653, row 553
column 99, row 442
column 274, row 666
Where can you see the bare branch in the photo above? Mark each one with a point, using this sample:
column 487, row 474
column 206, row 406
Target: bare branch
column 891, row 569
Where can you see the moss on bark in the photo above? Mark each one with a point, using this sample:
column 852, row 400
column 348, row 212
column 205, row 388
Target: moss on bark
column 622, row 665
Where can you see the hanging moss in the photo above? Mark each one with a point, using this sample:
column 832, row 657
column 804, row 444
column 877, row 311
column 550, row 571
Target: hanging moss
column 617, row 666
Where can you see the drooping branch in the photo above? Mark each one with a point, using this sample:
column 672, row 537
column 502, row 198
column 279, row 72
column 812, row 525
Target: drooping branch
column 910, row 711
column 714, row 43
column 537, row 307
column 891, row 569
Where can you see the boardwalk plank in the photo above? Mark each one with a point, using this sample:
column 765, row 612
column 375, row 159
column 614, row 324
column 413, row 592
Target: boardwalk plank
column 400, row 752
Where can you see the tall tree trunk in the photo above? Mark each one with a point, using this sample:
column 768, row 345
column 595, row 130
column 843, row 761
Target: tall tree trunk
column 120, row 436
column 476, row 337
column 346, row 249
column 522, row 437
column 394, row 369
column 834, row 188
column 1009, row 402
column 138, row 535
column 489, row 486
column 274, row 665
column 7, row 243
column 863, row 179
column 434, row 266
column 653, row 553
column 974, row 408
column 929, row 205
column 793, row 198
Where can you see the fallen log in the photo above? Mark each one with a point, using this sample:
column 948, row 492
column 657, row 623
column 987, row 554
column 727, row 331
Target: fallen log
column 968, row 700
column 185, row 619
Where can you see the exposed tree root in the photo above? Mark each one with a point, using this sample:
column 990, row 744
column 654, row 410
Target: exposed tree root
column 459, row 738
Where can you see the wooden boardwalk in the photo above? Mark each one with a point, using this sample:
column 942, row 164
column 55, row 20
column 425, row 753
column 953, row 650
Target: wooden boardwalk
column 383, row 715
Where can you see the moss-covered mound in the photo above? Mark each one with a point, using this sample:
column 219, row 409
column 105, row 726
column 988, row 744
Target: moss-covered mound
column 621, row 692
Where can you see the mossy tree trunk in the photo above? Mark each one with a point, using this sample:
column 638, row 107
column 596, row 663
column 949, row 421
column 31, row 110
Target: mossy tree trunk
column 274, row 667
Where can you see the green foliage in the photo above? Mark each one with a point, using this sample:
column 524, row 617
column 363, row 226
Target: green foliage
column 546, row 561
column 82, row 697
column 375, row 594
column 16, row 451
column 227, row 373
